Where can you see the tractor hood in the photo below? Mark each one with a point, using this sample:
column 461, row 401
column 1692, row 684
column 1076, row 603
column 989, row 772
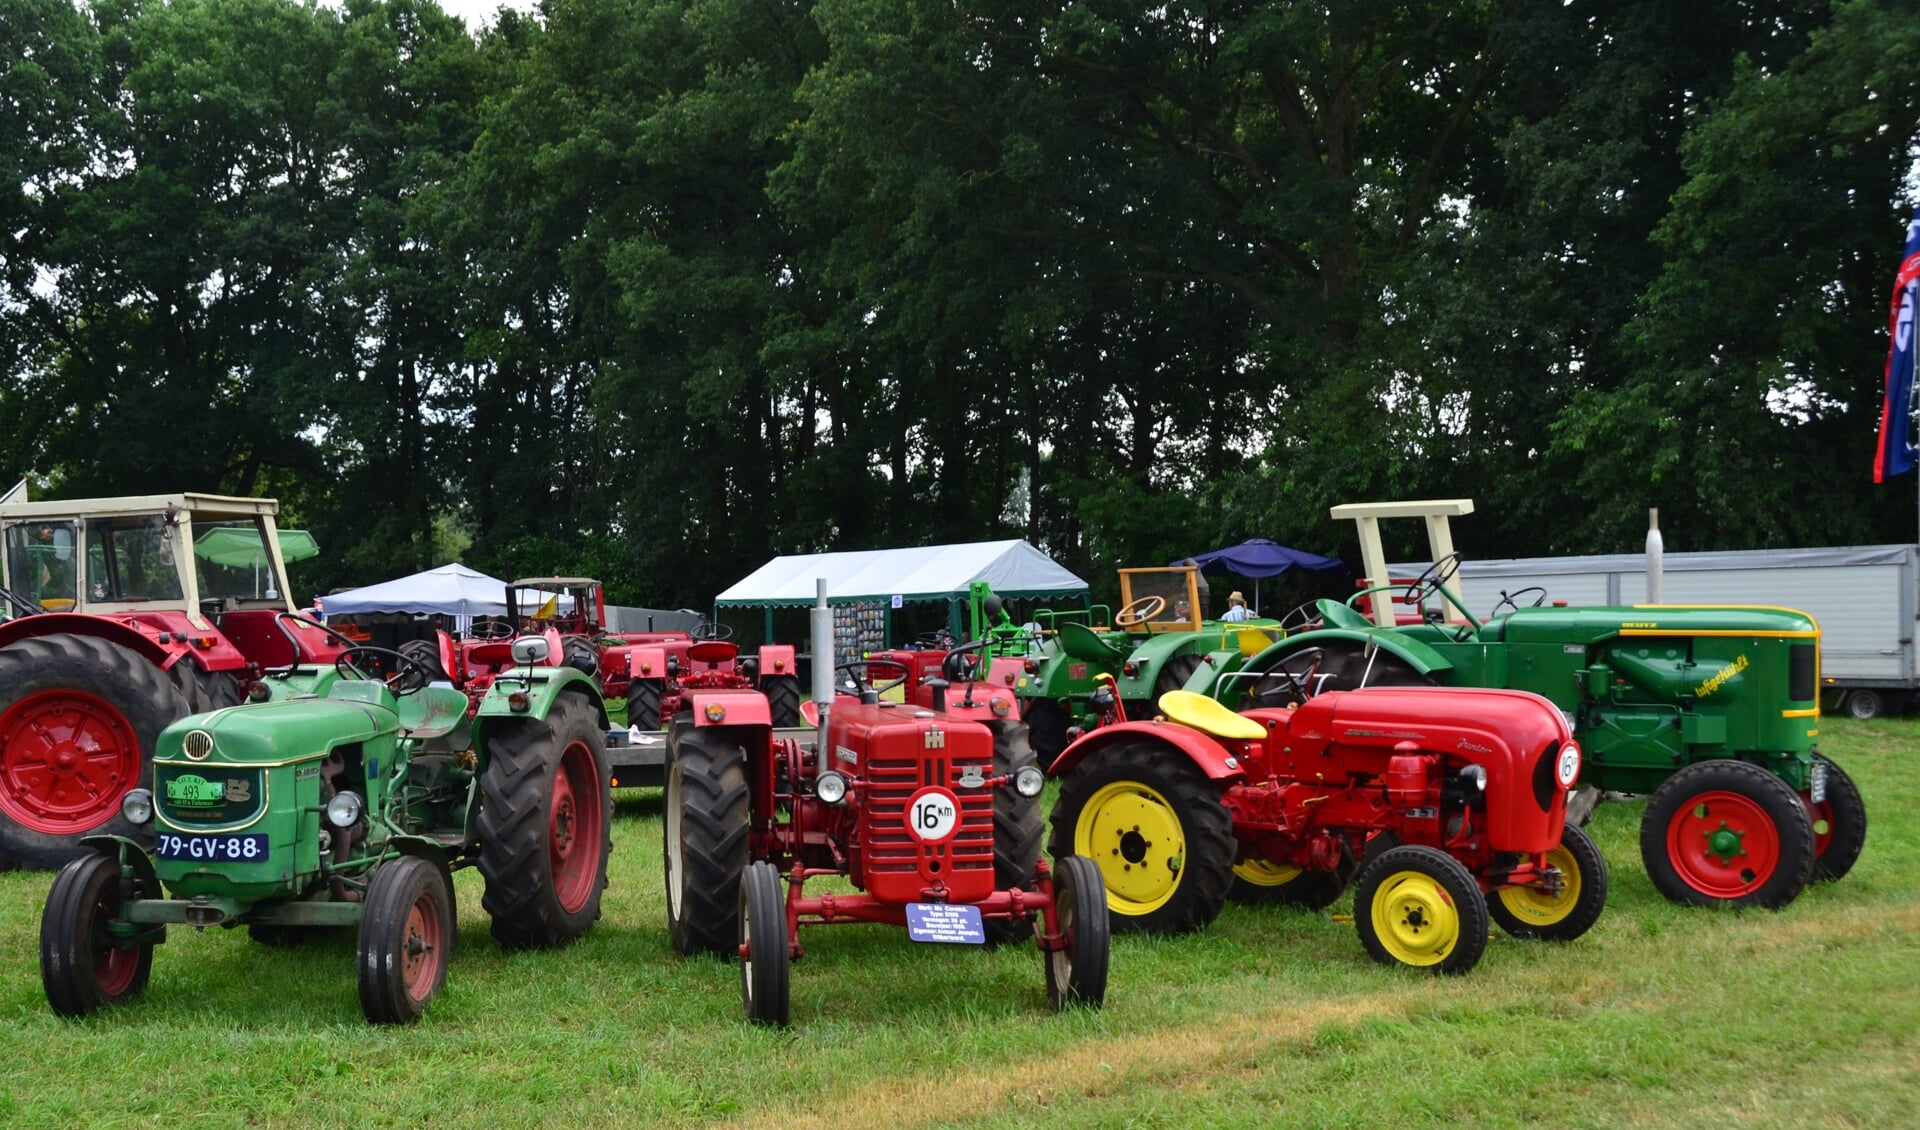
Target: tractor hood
column 1586, row 625
column 273, row 732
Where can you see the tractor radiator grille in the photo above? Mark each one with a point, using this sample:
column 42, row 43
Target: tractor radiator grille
column 892, row 849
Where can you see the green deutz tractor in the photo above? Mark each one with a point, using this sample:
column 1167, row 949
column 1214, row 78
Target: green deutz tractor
column 348, row 799
column 1713, row 710
column 1099, row 665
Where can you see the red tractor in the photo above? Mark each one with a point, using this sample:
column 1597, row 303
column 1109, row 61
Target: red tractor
column 125, row 614
column 1448, row 803
column 663, row 672
column 934, row 817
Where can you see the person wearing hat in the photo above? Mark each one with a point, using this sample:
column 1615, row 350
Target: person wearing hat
column 1236, row 606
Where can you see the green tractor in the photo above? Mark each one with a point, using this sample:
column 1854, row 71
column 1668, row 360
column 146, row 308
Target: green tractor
column 350, row 807
column 1710, row 710
column 1100, row 665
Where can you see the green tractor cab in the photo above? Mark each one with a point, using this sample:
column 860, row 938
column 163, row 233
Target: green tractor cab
column 351, row 807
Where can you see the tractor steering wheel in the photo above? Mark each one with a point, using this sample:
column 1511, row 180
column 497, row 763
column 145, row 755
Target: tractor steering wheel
column 1429, row 582
column 1297, row 619
column 491, row 629
column 958, row 666
column 285, row 620
column 1139, row 611
column 1511, row 600
column 713, row 630
column 857, row 671
column 409, row 676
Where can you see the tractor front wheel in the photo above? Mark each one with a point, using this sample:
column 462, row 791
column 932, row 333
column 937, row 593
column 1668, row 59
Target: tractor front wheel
column 1524, row 912
column 1418, row 906
column 643, row 703
column 765, row 957
column 1077, row 973
column 783, row 699
column 79, row 717
column 1839, row 825
column 406, row 935
column 1155, row 826
column 82, row 967
column 1018, row 826
column 545, row 815
column 1727, row 833
column 706, row 839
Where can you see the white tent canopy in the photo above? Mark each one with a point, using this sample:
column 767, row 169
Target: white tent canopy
column 450, row 590
column 931, row 572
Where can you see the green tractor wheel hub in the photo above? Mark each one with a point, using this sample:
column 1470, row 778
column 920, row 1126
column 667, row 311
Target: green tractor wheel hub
column 1725, row 842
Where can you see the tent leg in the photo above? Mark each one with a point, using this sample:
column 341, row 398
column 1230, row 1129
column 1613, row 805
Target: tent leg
column 768, row 634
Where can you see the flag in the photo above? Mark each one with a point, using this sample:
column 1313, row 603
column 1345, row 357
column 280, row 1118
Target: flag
column 1895, row 455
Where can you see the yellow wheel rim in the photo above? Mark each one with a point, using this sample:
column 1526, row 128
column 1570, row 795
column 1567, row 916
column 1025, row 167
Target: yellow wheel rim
column 1266, row 873
column 1415, row 919
column 1135, row 837
column 1538, row 908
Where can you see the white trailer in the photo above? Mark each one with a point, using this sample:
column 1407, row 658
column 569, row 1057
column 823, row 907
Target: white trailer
column 1865, row 598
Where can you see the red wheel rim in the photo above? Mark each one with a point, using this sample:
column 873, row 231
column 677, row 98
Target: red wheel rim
column 113, row 969
column 68, row 758
column 1822, row 816
column 575, row 831
column 1723, row 844
column 421, row 951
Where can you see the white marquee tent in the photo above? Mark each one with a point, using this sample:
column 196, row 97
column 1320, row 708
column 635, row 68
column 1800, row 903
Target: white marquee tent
column 1014, row 568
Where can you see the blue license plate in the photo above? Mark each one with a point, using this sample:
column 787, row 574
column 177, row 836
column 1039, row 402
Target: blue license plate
column 251, row 848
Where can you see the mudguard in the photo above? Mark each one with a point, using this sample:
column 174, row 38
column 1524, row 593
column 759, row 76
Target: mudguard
column 648, row 661
column 777, row 659
column 734, row 707
column 1214, row 759
column 543, row 688
column 129, row 852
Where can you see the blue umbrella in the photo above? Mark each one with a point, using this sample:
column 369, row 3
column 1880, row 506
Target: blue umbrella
column 1259, row 557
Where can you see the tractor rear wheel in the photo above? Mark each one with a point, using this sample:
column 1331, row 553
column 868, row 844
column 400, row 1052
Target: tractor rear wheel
column 643, row 703
column 427, row 654
column 1173, row 676
column 79, row 717
column 1047, row 724
column 1257, row 879
column 1155, row 826
column 1839, row 825
column 81, row 967
column 1727, row 833
column 1418, row 906
column 783, row 699
column 1524, row 912
column 1018, row 825
column 203, row 690
column 1077, row 974
column 406, row 935
column 579, row 653
column 545, row 814
column 765, row 958
column 706, row 839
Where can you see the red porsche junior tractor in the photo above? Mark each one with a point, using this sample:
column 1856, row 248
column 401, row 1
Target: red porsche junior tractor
column 1448, row 804
column 933, row 815
column 123, row 615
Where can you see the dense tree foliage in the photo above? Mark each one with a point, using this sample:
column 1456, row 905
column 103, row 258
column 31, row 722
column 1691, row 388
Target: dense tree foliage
column 654, row 289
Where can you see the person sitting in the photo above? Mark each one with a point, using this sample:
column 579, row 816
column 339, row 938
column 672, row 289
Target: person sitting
column 1236, row 607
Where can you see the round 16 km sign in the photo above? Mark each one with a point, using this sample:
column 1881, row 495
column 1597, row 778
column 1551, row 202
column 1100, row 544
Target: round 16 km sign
column 933, row 815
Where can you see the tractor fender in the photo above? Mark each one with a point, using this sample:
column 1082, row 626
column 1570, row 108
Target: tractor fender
column 138, row 636
column 542, row 690
column 423, row 848
column 1215, row 760
column 735, row 708
column 647, row 661
column 1417, row 655
column 130, row 854
column 777, row 659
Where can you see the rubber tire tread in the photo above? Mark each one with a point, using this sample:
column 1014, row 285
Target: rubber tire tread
column 643, row 703
column 145, row 696
column 1018, row 827
column 771, row 966
column 1594, row 881
column 1076, row 881
column 1461, row 887
column 523, row 761
column 1310, row 890
column 712, row 770
column 783, row 699
column 1207, row 872
column 1173, row 676
column 65, row 971
column 1047, row 724
column 397, row 885
column 427, row 654
column 1849, row 833
column 1792, row 825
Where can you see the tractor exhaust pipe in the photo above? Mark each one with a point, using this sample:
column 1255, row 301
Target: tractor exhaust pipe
column 822, row 623
column 1656, row 559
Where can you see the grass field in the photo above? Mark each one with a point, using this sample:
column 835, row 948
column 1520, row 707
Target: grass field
column 1660, row 1016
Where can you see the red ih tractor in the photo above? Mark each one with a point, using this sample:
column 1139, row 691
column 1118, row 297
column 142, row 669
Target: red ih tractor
column 126, row 613
column 663, row 671
column 1448, row 804
column 932, row 815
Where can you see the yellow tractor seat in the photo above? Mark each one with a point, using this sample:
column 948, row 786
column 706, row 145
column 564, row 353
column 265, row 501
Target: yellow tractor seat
column 1201, row 713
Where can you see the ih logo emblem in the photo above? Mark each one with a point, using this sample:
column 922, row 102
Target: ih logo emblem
column 936, row 738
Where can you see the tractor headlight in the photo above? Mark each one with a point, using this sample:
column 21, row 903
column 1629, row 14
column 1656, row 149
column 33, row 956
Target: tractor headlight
column 830, row 787
column 1028, row 780
column 344, row 810
column 137, row 806
column 1476, row 776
